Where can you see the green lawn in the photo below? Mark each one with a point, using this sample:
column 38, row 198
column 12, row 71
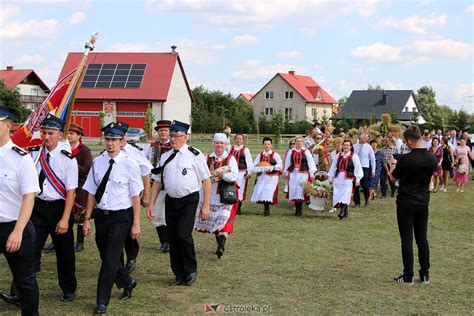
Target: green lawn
column 315, row 264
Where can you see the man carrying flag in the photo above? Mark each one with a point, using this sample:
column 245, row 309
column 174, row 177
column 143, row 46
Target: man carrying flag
column 58, row 179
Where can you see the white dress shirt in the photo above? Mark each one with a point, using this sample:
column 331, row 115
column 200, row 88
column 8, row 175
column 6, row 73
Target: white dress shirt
column 366, row 155
column 276, row 156
column 184, row 174
column 124, row 182
column 138, row 155
column 17, row 177
column 309, row 158
column 65, row 169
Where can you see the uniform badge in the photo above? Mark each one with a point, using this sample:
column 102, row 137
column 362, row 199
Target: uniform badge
column 184, row 172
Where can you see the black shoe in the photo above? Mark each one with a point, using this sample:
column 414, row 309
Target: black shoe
column 393, row 194
column 11, row 299
column 49, row 247
column 221, row 239
column 67, row 297
column 190, row 278
column 100, row 309
column 239, row 212
column 356, row 205
column 341, row 213
column 366, row 202
column 79, row 247
column 402, row 279
column 176, row 282
column 166, row 247
column 127, row 291
column 131, row 265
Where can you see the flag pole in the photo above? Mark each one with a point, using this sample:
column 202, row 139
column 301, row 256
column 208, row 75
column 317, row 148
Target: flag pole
column 76, row 80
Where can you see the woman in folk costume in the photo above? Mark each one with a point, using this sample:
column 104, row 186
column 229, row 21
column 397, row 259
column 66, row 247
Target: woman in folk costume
column 299, row 168
column 224, row 170
column 342, row 173
column 244, row 160
column 267, row 166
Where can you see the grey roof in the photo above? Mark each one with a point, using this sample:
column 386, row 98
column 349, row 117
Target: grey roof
column 367, row 104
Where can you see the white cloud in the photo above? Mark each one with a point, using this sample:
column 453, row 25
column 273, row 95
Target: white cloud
column 29, row 59
column 244, row 39
column 414, row 24
column 392, row 85
column 290, row 54
column 423, row 3
column 261, row 14
column 252, row 69
column 379, row 52
column 76, row 18
column 470, row 9
column 46, row 29
column 464, row 90
column 444, row 48
column 191, row 51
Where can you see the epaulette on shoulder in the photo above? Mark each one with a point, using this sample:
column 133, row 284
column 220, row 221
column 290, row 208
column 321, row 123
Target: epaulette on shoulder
column 34, row 148
column 67, row 154
column 136, row 146
column 19, row 151
column 103, row 150
column 194, row 150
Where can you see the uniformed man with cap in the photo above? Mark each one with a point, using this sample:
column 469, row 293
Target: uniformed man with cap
column 18, row 186
column 114, row 185
column 136, row 153
column 154, row 153
column 183, row 171
column 58, row 178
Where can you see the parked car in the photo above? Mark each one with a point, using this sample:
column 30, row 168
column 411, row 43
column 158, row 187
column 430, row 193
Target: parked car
column 136, row 135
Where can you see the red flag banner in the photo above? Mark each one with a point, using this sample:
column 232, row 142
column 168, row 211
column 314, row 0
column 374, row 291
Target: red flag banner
column 29, row 132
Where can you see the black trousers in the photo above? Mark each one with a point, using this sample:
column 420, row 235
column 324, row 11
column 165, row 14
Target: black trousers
column 111, row 231
column 365, row 184
column 45, row 217
column 383, row 182
column 21, row 266
column 414, row 219
column 131, row 248
column 180, row 215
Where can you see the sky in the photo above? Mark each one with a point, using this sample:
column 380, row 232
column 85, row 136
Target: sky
column 238, row 46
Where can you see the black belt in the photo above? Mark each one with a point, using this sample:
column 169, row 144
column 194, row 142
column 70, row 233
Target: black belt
column 53, row 202
column 111, row 213
column 190, row 195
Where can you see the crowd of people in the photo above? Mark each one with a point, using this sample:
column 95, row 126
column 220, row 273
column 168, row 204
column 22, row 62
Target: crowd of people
column 57, row 184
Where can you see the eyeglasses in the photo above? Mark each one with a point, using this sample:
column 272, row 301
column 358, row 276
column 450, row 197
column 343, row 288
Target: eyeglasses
column 292, row 144
column 176, row 136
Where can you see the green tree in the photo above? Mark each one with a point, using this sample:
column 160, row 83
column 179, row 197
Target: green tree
column 376, row 87
column 11, row 98
column 212, row 108
column 149, row 119
column 342, row 102
column 278, row 125
column 101, row 122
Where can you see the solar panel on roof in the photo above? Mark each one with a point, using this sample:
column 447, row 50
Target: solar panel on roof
column 113, row 76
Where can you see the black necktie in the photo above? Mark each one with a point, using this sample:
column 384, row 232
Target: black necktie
column 42, row 177
column 101, row 189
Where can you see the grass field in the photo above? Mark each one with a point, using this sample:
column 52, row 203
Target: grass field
column 315, row 264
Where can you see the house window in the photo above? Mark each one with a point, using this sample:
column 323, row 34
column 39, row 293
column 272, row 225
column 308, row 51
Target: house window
column 268, row 111
column 318, row 96
column 314, row 112
column 288, row 95
column 406, row 109
column 415, row 110
column 268, row 95
column 289, row 113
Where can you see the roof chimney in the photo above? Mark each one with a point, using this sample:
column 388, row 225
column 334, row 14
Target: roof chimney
column 9, row 67
column 173, row 49
column 385, row 98
column 291, row 72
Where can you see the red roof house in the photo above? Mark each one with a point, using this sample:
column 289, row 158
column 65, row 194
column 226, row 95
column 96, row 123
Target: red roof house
column 32, row 88
column 298, row 97
column 124, row 85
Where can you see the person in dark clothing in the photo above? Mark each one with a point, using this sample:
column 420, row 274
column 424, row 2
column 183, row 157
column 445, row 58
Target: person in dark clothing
column 413, row 171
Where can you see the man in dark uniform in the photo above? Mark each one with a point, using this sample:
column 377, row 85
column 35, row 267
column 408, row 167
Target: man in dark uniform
column 135, row 152
column 154, row 153
column 18, row 185
column 58, row 178
column 413, row 171
column 114, row 185
column 83, row 155
column 183, row 172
